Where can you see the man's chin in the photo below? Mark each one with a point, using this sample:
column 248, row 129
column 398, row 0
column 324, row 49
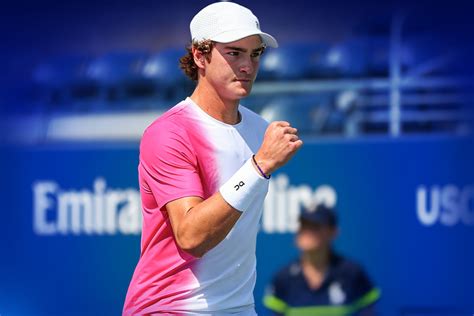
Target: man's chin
column 244, row 93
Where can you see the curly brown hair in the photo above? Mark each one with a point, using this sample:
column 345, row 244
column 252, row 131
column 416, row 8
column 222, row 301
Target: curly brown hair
column 187, row 64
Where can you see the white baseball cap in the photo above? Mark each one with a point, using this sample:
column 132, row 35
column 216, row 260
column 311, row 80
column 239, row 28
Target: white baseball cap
column 226, row 22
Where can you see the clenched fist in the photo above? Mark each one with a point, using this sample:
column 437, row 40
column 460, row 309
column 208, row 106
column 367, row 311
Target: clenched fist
column 280, row 143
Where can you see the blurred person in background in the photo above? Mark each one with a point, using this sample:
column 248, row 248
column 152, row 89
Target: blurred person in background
column 320, row 281
column 204, row 171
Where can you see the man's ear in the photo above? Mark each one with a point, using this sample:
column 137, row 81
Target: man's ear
column 199, row 58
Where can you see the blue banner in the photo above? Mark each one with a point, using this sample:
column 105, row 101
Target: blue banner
column 70, row 222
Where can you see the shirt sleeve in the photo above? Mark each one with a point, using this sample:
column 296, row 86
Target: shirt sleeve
column 274, row 298
column 365, row 292
column 168, row 164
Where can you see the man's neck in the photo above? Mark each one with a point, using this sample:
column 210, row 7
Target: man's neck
column 210, row 102
column 319, row 259
column 315, row 265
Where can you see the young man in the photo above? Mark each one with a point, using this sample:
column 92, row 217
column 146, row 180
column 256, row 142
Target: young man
column 320, row 282
column 203, row 174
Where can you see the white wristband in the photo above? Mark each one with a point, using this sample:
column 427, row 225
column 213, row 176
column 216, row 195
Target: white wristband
column 243, row 187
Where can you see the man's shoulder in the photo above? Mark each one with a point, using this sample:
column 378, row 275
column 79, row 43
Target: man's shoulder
column 172, row 121
column 289, row 271
column 169, row 129
column 347, row 266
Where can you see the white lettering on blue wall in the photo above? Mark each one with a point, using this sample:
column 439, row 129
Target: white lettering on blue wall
column 446, row 205
column 110, row 211
column 100, row 211
column 284, row 201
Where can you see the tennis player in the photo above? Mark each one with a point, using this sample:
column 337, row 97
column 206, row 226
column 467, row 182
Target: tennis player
column 203, row 173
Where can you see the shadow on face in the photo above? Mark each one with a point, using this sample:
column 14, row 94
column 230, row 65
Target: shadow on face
column 315, row 236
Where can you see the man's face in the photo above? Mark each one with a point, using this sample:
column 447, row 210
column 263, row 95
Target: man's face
column 233, row 67
column 314, row 237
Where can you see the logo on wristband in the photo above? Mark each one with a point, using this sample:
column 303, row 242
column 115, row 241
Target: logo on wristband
column 238, row 186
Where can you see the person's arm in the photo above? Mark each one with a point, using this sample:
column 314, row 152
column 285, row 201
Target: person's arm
column 368, row 295
column 199, row 225
column 274, row 305
column 275, row 295
column 367, row 311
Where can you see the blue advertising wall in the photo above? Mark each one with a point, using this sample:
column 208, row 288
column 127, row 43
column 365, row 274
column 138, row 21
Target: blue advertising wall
column 406, row 212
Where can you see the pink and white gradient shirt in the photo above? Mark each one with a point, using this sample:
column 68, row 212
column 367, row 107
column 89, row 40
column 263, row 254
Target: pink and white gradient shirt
column 185, row 153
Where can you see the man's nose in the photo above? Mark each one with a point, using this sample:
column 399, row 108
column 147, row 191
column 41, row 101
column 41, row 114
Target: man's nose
column 247, row 66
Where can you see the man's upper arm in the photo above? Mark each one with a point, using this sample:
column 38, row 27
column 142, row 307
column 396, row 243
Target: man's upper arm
column 178, row 208
column 168, row 164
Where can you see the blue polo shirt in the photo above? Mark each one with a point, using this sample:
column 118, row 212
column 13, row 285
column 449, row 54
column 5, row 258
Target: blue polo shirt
column 346, row 290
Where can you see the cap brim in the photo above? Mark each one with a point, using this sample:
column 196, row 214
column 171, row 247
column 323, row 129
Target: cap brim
column 269, row 40
column 236, row 35
column 312, row 219
column 321, row 219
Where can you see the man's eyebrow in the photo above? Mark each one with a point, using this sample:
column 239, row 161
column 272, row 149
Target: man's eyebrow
column 244, row 50
column 239, row 49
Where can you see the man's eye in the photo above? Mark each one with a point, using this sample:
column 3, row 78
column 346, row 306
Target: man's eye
column 257, row 53
column 233, row 53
